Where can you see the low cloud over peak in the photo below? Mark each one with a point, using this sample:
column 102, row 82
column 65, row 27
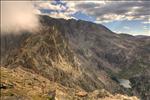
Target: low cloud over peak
column 17, row 16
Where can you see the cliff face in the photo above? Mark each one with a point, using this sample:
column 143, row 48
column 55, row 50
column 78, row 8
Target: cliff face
column 102, row 48
column 80, row 55
column 48, row 54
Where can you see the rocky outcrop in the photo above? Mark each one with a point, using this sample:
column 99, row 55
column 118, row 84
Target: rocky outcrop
column 20, row 84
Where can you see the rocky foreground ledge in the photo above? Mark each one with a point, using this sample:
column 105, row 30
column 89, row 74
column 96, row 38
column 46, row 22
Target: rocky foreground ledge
column 21, row 84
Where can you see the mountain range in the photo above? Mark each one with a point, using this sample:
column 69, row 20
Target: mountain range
column 75, row 55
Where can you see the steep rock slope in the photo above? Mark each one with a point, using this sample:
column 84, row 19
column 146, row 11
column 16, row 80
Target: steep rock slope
column 98, row 46
column 81, row 54
column 47, row 53
column 100, row 50
column 140, row 84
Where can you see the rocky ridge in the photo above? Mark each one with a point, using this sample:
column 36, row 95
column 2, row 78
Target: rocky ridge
column 20, row 84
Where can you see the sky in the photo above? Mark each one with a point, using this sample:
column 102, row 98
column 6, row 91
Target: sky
column 131, row 17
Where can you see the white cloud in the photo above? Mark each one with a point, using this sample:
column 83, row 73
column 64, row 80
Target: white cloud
column 55, row 9
column 126, row 27
column 69, row 8
column 48, row 5
column 118, row 32
column 17, row 16
column 107, row 11
column 37, row 11
column 146, row 22
column 60, row 15
column 103, row 11
column 146, row 28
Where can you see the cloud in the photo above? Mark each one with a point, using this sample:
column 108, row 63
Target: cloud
column 146, row 22
column 60, row 15
column 103, row 11
column 52, row 9
column 116, row 10
column 126, row 27
column 17, row 16
column 145, row 27
column 48, row 5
